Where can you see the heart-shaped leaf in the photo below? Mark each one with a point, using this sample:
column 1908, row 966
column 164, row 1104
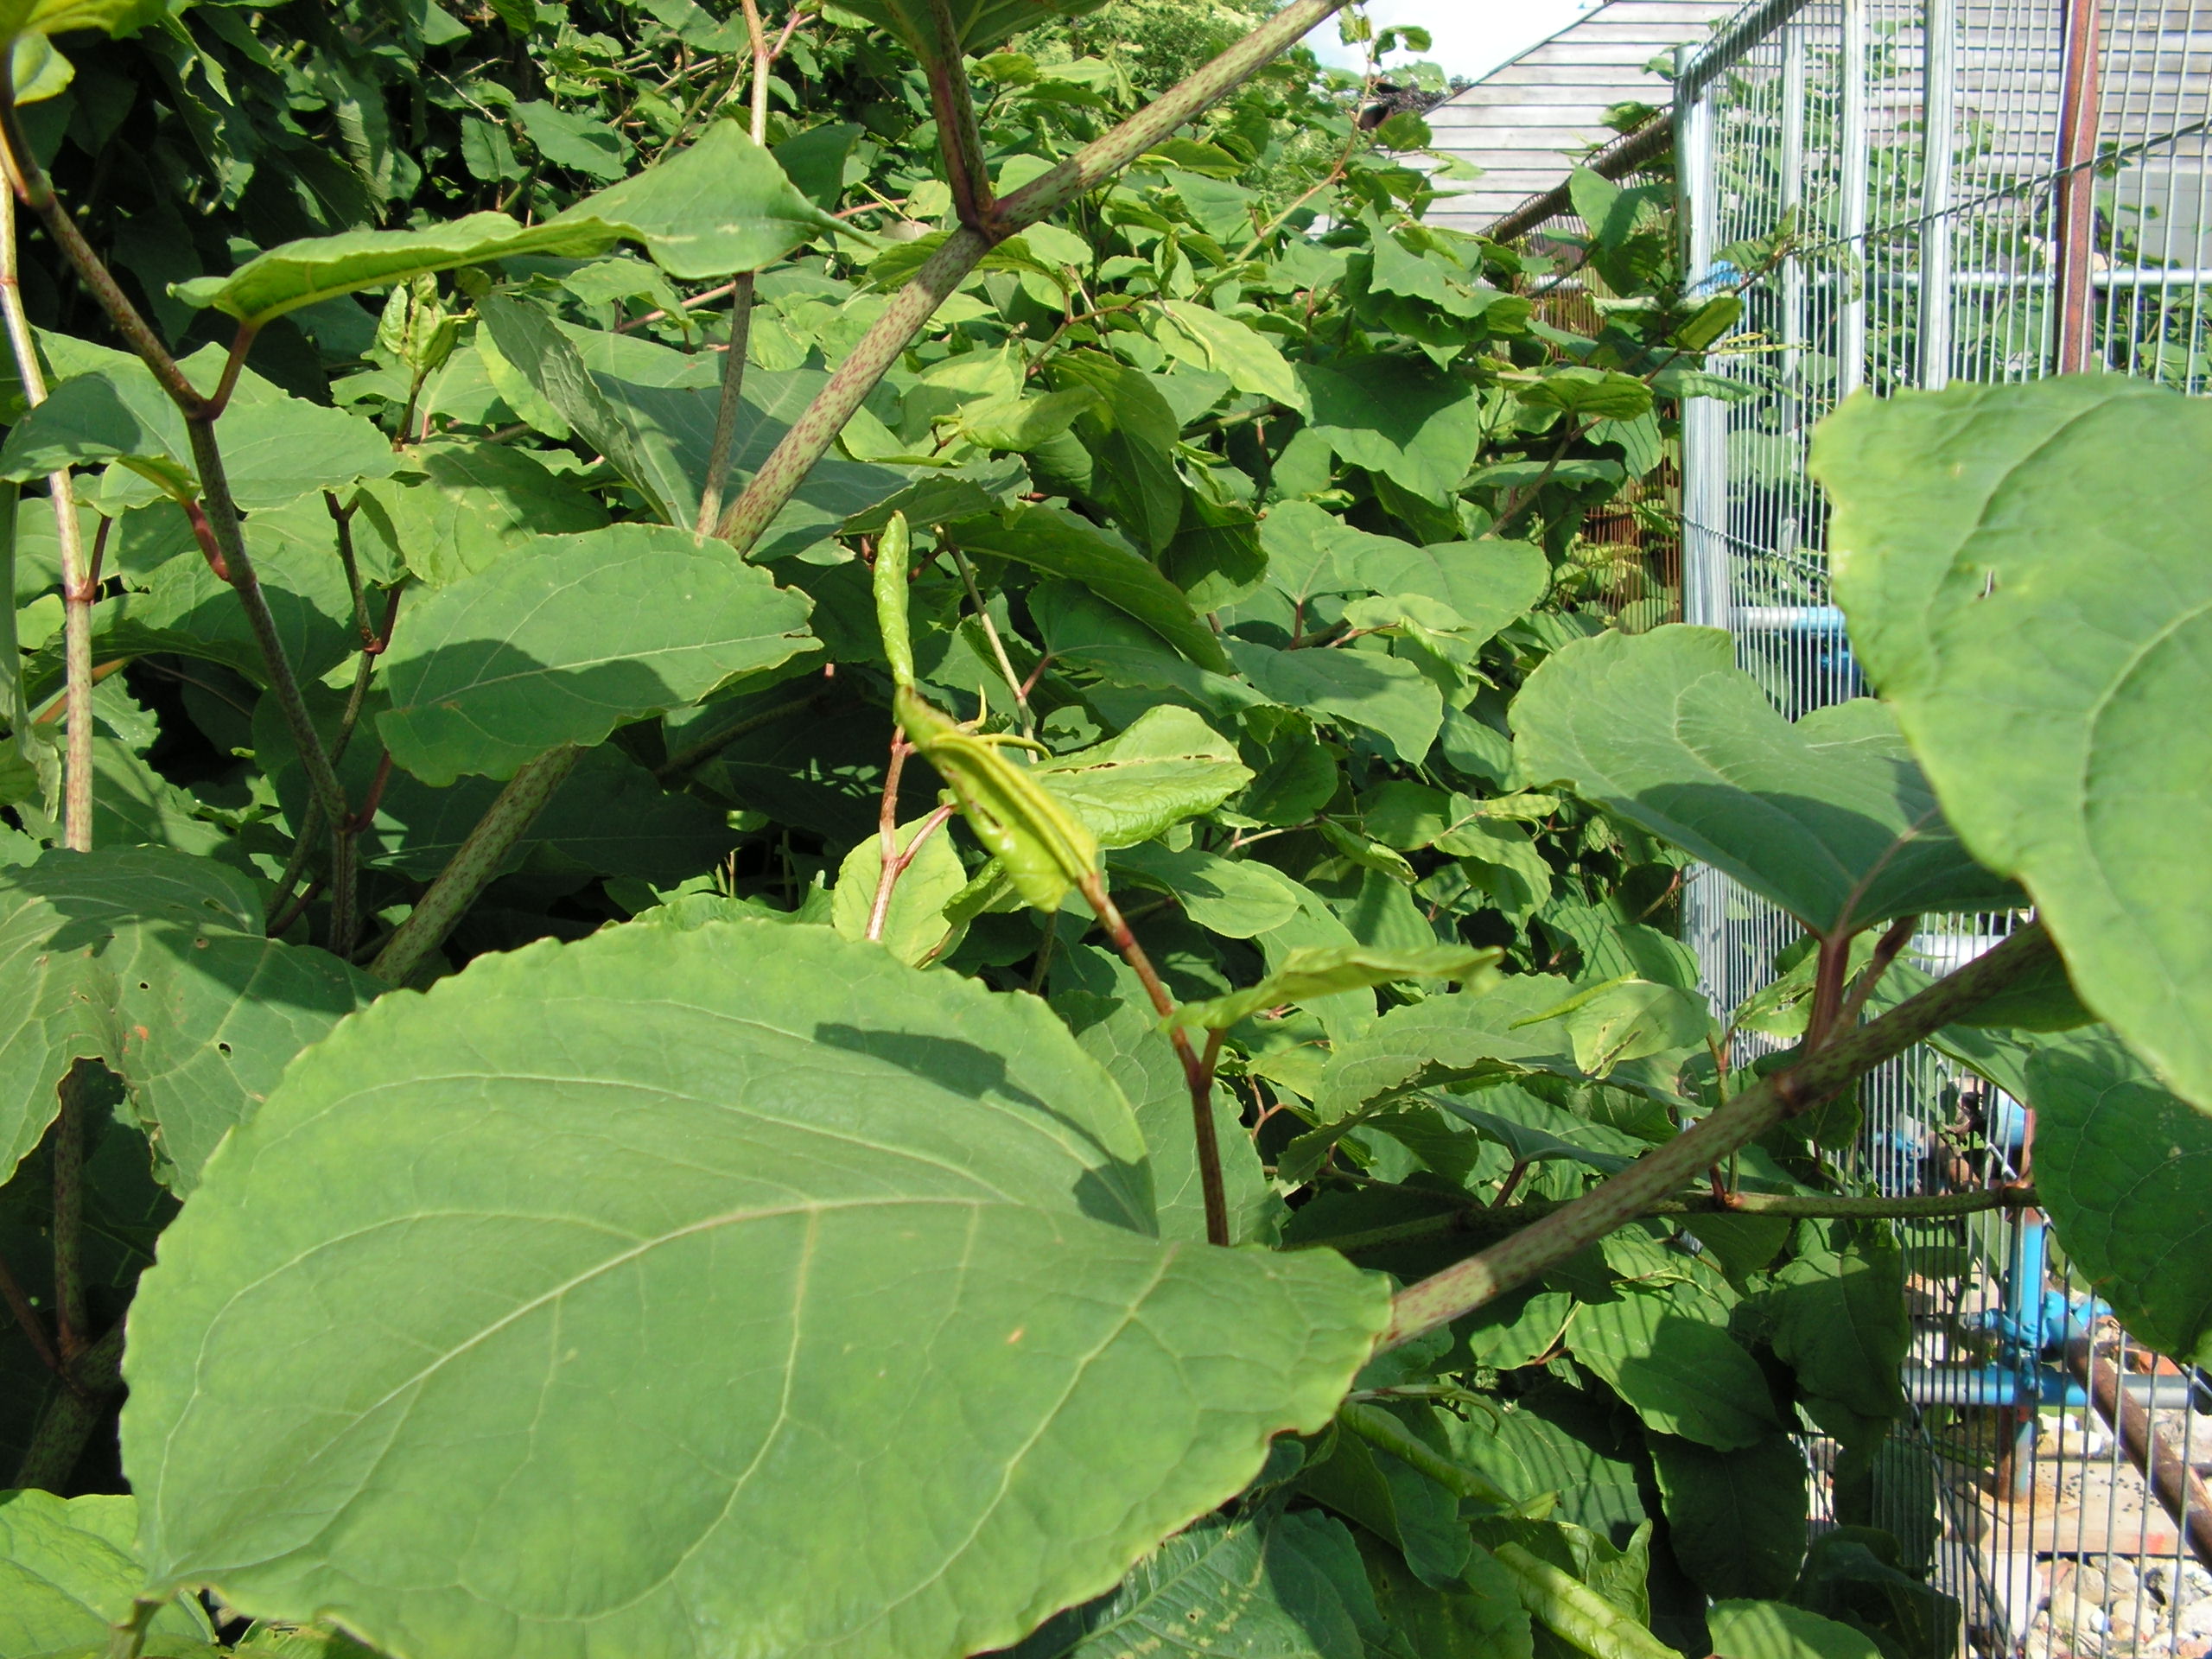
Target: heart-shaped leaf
column 740, row 1278
column 1829, row 818
column 572, row 636
column 67, row 1576
column 2050, row 660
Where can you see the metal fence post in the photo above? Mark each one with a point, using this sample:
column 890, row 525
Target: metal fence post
column 1939, row 136
column 1851, row 321
column 1704, row 420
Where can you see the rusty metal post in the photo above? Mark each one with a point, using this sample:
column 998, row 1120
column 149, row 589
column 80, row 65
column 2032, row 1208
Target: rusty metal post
column 2077, row 185
column 2179, row 1490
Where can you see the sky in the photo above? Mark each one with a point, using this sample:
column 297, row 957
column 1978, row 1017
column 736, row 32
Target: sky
column 1470, row 37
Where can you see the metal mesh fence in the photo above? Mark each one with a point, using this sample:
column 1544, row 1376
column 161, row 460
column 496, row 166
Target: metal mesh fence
column 1983, row 190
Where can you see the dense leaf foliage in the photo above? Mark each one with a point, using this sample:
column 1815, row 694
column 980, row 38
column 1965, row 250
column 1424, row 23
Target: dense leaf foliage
column 894, row 874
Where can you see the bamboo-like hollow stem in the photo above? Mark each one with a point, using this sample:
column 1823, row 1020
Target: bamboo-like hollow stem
column 472, row 868
column 959, row 138
column 1661, row 1172
column 910, row 308
column 1197, row 1071
column 1492, row 1220
column 69, row 1317
column 886, row 831
column 741, row 337
column 77, row 585
column 91, row 1384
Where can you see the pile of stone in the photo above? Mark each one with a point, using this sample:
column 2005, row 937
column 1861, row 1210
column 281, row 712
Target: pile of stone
column 2113, row 1607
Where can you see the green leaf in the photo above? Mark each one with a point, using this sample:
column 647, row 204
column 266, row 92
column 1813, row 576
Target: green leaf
column 1392, row 1500
column 719, row 207
column 1828, row 817
column 1478, row 1616
column 2121, row 1165
column 1042, row 845
column 276, row 448
column 1735, row 1520
column 1682, row 1375
column 19, row 18
column 1588, row 394
column 914, row 923
column 802, row 1295
column 1127, row 1040
column 1021, row 422
column 1224, row 1589
column 1061, row 544
column 1311, row 972
column 1773, row 1630
column 1585, row 1620
column 1384, row 695
column 473, row 504
column 2045, row 656
column 1253, row 362
column 66, row 1575
column 1838, row 1313
column 1167, row 766
column 1485, row 585
column 1128, row 434
column 1238, row 899
column 977, row 25
column 154, row 964
column 571, row 637
column 1392, row 415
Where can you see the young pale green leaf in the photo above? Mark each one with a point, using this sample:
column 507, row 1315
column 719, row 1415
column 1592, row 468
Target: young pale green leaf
column 1579, row 1616
column 888, row 585
column 1168, row 766
column 2121, row 1165
column 806, row 1297
column 1775, row 1629
column 2046, row 657
column 1309, row 972
column 67, row 1575
column 1061, row 544
column 154, row 964
column 21, row 17
column 913, row 923
column 1828, row 817
column 571, row 637
column 1043, row 846
column 719, row 207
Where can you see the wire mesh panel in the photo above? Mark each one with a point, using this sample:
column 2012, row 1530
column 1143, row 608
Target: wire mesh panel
column 1981, row 190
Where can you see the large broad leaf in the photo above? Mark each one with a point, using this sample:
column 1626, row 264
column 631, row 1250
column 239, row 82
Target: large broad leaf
column 66, row 1575
column 1287, row 1587
column 1253, row 362
column 1773, row 1630
column 1485, row 585
column 1829, row 818
column 1383, row 695
column 472, row 505
column 977, row 25
column 1127, row 1040
column 1839, row 1313
column 717, row 207
column 739, row 1279
column 1397, row 416
column 2121, row 1165
column 1683, row 1374
column 1735, row 1520
column 1061, row 544
column 153, row 963
column 276, row 448
column 2047, row 657
column 1167, row 766
column 570, row 637
column 1392, row 1500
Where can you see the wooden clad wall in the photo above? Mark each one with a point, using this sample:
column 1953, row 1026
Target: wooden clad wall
column 1524, row 122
